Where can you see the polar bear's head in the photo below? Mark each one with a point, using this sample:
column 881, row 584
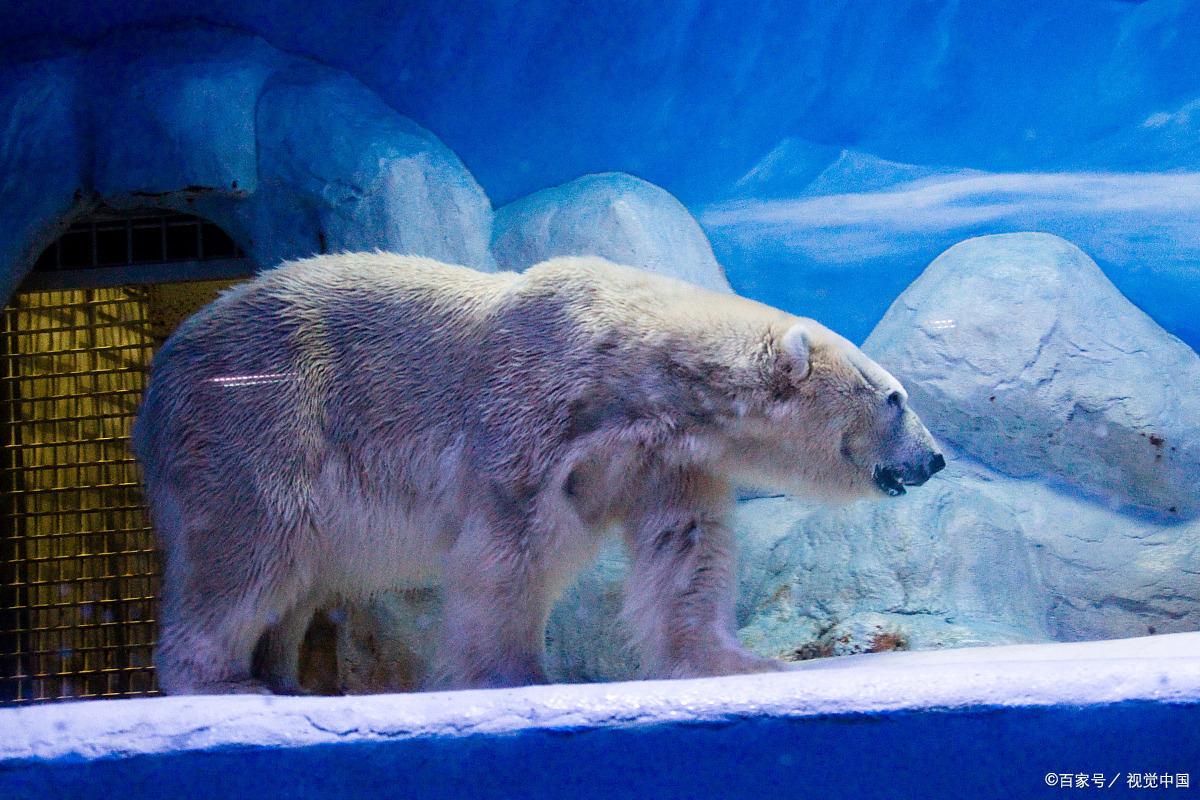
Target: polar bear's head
column 835, row 423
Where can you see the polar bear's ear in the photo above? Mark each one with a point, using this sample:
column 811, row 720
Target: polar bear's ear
column 796, row 343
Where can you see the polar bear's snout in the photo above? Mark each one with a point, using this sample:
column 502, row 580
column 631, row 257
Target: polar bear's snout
column 912, row 460
column 936, row 464
column 917, row 474
column 892, row 480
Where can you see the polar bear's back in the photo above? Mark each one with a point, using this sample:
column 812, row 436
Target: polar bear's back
column 326, row 316
column 376, row 353
column 604, row 293
column 253, row 387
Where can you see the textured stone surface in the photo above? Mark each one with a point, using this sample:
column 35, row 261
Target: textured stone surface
column 177, row 103
column 612, row 215
column 1018, row 350
column 368, row 177
column 974, row 557
column 586, row 639
column 840, row 245
column 44, row 159
column 290, row 157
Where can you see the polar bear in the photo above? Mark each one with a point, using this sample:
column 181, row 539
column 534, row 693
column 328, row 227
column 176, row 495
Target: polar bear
column 356, row 423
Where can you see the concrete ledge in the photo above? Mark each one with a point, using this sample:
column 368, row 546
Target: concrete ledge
column 989, row 722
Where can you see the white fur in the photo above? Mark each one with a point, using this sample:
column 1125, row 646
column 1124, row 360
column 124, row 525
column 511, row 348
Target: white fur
column 795, row 343
column 352, row 424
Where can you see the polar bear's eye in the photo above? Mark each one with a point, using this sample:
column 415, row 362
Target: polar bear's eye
column 895, row 399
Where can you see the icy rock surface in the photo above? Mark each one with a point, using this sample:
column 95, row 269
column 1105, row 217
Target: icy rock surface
column 971, row 558
column 43, row 156
column 611, row 215
column 338, row 169
column 290, row 157
column 585, row 638
column 838, row 235
column 1019, row 351
column 168, row 103
column 372, row 178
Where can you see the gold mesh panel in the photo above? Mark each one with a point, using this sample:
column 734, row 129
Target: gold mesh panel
column 80, row 571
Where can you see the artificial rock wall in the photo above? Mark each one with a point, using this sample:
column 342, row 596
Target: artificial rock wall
column 1041, row 528
column 291, row 158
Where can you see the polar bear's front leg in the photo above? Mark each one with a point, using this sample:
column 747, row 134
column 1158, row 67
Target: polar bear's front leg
column 497, row 593
column 680, row 596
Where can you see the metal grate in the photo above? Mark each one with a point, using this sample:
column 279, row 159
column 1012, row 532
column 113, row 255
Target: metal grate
column 116, row 249
column 80, row 570
column 150, row 238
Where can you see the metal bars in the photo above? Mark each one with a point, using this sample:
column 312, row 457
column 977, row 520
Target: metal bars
column 149, row 238
column 80, row 573
column 113, row 249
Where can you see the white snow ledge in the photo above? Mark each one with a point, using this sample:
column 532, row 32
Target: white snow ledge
column 984, row 722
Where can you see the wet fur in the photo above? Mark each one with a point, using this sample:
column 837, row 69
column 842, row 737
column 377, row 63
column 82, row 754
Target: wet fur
column 352, row 424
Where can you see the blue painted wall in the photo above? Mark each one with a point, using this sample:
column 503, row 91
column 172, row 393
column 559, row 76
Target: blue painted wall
column 689, row 95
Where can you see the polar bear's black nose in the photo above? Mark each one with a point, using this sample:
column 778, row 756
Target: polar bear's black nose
column 892, row 480
column 918, row 474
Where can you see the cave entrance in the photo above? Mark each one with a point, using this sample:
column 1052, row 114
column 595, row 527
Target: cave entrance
column 80, row 575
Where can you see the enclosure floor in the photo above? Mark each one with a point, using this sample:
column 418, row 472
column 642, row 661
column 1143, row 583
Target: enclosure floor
column 983, row 722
